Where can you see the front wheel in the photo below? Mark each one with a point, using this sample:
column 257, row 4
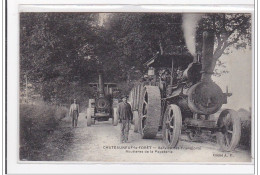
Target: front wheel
column 172, row 124
column 230, row 126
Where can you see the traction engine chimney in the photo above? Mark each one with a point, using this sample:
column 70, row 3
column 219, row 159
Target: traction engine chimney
column 207, row 62
column 206, row 97
column 100, row 85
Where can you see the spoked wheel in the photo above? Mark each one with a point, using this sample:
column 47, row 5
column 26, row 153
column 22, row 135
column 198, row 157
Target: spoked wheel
column 230, row 130
column 172, row 124
column 150, row 111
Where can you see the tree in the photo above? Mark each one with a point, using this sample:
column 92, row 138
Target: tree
column 231, row 30
column 53, row 50
column 138, row 36
column 62, row 52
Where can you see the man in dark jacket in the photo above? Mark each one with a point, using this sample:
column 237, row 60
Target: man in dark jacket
column 125, row 116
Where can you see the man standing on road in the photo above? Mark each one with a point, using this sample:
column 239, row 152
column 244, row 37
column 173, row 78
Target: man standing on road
column 125, row 116
column 74, row 113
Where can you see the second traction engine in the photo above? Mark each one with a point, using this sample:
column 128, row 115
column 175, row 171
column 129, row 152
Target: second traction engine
column 184, row 100
column 104, row 105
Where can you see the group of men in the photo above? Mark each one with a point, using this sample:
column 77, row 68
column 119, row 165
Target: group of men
column 124, row 112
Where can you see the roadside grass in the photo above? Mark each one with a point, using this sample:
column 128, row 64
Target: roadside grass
column 37, row 122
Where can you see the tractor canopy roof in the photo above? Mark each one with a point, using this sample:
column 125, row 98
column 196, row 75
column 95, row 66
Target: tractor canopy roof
column 166, row 61
column 178, row 58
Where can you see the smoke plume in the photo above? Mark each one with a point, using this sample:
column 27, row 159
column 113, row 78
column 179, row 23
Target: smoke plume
column 189, row 24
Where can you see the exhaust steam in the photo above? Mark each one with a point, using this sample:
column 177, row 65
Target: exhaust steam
column 189, row 24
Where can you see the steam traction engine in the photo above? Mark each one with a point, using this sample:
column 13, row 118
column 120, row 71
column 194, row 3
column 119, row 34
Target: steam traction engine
column 104, row 106
column 184, row 100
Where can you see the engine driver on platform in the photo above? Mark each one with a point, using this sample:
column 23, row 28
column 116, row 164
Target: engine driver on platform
column 125, row 116
column 179, row 73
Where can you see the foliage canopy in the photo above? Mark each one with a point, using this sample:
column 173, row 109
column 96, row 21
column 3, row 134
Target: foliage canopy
column 60, row 53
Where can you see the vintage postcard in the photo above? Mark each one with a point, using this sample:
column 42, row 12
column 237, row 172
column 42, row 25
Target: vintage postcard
column 136, row 87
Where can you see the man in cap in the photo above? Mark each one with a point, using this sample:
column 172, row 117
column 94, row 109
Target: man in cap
column 125, row 116
column 74, row 113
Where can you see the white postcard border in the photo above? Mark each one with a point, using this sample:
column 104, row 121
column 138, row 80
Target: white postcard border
column 14, row 7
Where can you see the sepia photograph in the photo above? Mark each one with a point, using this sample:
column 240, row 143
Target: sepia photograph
column 127, row 87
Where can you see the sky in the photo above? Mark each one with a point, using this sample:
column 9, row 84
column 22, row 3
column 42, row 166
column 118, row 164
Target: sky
column 238, row 80
column 102, row 18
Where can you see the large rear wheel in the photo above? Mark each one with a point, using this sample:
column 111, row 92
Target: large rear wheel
column 136, row 121
column 230, row 125
column 150, row 111
column 172, row 124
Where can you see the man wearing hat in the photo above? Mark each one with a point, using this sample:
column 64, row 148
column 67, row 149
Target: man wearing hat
column 74, row 113
column 125, row 116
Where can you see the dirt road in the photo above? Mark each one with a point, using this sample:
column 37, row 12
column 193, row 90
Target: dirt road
column 101, row 142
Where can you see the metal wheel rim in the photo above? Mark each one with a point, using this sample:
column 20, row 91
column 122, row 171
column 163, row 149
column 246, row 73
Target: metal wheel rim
column 227, row 129
column 170, row 125
column 144, row 111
